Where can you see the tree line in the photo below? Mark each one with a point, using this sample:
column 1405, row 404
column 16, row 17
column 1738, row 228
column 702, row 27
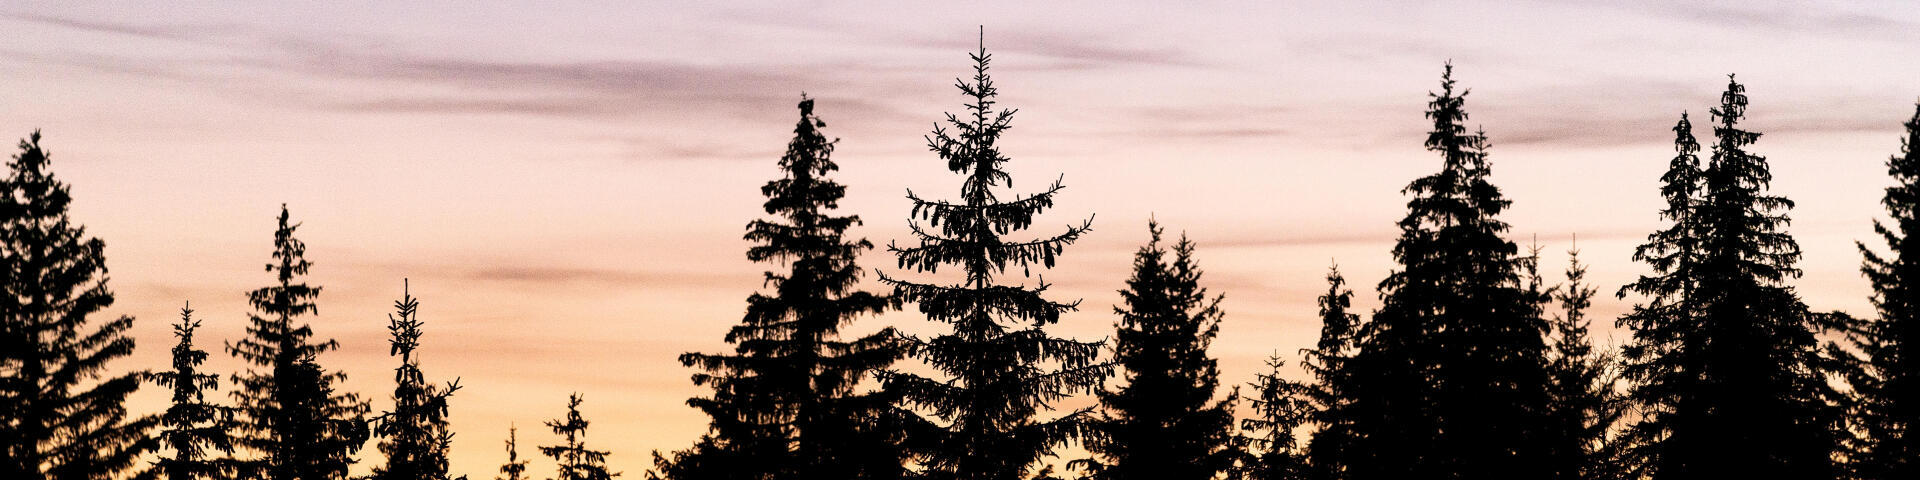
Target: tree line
column 1475, row 366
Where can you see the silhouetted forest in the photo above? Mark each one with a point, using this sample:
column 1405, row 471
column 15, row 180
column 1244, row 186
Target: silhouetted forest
column 1477, row 365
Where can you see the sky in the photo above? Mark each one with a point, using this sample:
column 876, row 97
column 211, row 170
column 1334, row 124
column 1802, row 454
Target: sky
column 565, row 186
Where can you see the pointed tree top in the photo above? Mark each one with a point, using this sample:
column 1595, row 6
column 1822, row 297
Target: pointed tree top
column 1446, row 78
column 31, row 157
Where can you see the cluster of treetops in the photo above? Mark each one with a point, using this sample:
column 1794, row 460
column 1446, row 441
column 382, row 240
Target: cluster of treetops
column 1474, row 367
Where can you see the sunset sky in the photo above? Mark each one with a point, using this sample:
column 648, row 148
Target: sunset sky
column 566, row 187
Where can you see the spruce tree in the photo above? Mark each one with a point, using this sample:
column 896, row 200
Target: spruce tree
column 786, row 403
column 1000, row 366
column 1331, row 392
column 414, row 434
column 1725, row 361
column 1675, row 250
column 1451, row 376
column 1164, row 423
column 1584, row 405
column 1666, row 322
column 62, row 414
column 197, row 431
column 297, row 426
column 1270, row 451
column 515, row 468
column 1888, row 386
column 577, row 462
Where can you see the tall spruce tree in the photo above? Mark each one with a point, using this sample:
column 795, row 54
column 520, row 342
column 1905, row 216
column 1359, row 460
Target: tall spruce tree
column 293, row 421
column 1888, row 386
column 1330, row 394
column 577, row 462
column 515, row 468
column 62, row 415
column 1001, row 367
column 197, row 431
column 1164, row 423
column 786, row 402
column 1726, row 365
column 1584, row 405
column 1451, row 373
column 1665, row 324
column 414, row 435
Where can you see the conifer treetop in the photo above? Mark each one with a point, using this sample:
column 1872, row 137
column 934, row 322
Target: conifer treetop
column 970, row 229
column 1001, row 368
column 514, row 468
column 192, row 428
column 62, row 412
column 784, row 402
column 414, row 434
column 1889, row 342
column 294, row 419
column 1726, row 362
column 1165, row 421
column 577, row 462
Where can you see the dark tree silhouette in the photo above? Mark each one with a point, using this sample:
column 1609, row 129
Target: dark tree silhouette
column 1726, row 367
column 1585, row 405
column 1888, row 386
column 197, row 431
column 292, row 419
column 62, row 415
column 1164, row 423
column 414, row 434
column 515, row 468
column 577, row 462
column 785, row 401
column 1331, row 394
column 1270, row 449
column 1001, row 366
column 1665, row 324
column 1450, row 378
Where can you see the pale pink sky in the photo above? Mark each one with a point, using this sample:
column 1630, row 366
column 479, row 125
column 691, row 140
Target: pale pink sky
column 566, row 186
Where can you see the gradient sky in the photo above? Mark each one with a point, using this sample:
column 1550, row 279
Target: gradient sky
column 566, row 187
